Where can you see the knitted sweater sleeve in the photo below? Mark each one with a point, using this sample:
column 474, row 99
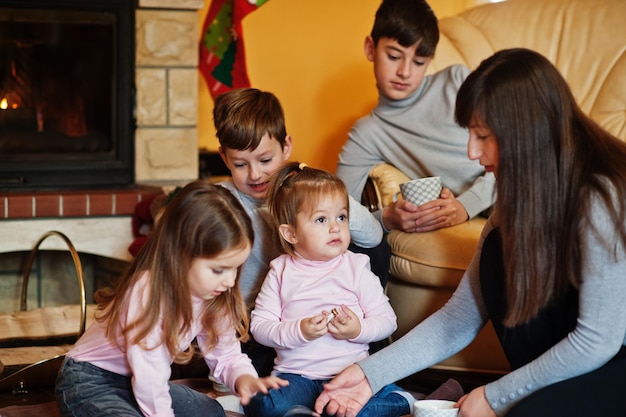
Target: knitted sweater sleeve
column 599, row 334
column 365, row 229
column 440, row 336
column 601, row 325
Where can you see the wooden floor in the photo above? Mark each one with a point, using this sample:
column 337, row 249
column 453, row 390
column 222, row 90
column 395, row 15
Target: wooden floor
column 28, row 391
column 40, row 402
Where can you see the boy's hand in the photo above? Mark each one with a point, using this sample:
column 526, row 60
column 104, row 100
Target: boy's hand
column 400, row 215
column 345, row 325
column 443, row 212
column 313, row 327
column 247, row 386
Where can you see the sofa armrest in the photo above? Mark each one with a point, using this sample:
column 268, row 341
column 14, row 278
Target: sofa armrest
column 382, row 184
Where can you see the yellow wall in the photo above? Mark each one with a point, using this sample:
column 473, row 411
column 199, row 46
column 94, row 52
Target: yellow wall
column 309, row 53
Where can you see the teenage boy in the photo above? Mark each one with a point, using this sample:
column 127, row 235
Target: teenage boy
column 413, row 126
column 250, row 127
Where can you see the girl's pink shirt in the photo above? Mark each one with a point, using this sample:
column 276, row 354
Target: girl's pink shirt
column 150, row 368
column 296, row 288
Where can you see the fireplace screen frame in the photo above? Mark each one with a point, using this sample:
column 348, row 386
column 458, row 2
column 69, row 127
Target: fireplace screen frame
column 100, row 169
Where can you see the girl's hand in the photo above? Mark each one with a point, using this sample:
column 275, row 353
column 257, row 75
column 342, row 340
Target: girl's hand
column 475, row 404
column 247, row 386
column 346, row 394
column 345, row 325
column 313, row 327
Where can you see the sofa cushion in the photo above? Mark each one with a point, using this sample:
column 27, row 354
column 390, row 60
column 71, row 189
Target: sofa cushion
column 583, row 38
column 387, row 179
column 434, row 259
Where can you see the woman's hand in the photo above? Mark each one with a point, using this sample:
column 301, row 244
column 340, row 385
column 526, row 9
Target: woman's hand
column 346, row 394
column 475, row 404
column 247, row 386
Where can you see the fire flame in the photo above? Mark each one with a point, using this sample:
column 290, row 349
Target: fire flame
column 4, row 104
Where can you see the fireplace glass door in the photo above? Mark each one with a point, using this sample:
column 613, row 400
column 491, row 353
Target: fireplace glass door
column 66, row 94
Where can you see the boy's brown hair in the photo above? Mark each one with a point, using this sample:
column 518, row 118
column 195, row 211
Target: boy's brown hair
column 408, row 22
column 244, row 115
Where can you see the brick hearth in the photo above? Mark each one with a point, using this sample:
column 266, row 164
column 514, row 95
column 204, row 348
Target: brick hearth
column 68, row 204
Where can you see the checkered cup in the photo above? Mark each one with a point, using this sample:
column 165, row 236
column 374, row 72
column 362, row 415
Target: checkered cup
column 421, row 190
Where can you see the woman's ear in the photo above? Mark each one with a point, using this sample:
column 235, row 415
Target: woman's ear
column 288, row 233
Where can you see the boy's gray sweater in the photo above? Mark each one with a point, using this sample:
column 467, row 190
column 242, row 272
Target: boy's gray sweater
column 419, row 136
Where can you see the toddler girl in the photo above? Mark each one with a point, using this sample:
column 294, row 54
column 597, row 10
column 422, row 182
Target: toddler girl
column 320, row 305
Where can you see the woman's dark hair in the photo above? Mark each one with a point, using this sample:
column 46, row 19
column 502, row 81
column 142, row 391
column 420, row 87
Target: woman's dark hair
column 552, row 160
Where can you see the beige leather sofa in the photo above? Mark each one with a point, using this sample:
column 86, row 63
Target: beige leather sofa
column 586, row 40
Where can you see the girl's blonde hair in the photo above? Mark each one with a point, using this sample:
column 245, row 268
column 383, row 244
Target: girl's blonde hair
column 297, row 187
column 202, row 221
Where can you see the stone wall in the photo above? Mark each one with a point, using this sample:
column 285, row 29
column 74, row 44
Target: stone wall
column 166, row 146
column 166, row 154
column 166, row 141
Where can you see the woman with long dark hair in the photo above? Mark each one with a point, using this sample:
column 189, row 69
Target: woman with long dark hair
column 550, row 269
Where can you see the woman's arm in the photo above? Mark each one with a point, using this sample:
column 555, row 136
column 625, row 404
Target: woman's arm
column 601, row 324
column 441, row 335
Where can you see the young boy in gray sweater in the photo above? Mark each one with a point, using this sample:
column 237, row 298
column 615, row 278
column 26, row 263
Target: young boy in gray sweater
column 250, row 127
column 413, row 126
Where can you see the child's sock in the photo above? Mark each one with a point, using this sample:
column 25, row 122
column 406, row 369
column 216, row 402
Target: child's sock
column 230, row 403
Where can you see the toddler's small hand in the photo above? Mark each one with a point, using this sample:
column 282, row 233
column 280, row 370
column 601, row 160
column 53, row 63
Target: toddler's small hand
column 345, row 325
column 313, row 327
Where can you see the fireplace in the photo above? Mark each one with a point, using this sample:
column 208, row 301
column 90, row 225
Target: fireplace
column 67, row 94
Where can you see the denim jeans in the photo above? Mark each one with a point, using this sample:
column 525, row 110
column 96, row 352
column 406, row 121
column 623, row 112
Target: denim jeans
column 84, row 390
column 304, row 391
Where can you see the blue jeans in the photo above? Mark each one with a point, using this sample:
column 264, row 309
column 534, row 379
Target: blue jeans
column 304, row 391
column 84, row 390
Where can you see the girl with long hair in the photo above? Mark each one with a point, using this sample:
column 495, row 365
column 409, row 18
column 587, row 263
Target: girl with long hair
column 181, row 286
